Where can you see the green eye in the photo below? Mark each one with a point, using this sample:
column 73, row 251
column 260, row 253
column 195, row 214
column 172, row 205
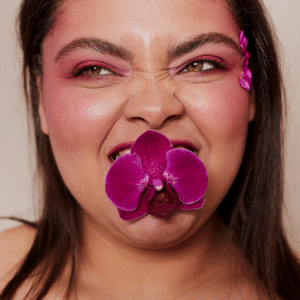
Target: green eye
column 94, row 71
column 204, row 65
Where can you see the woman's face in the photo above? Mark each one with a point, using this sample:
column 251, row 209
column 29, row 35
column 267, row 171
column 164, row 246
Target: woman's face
column 114, row 69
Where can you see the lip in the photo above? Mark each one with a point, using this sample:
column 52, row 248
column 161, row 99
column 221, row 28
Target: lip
column 176, row 143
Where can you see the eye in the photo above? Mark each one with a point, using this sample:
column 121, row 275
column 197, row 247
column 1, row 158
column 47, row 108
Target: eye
column 202, row 66
column 93, row 71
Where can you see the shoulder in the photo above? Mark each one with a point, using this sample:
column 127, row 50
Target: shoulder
column 14, row 245
column 297, row 254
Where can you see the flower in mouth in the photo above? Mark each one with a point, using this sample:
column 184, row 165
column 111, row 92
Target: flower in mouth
column 156, row 179
column 246, row 76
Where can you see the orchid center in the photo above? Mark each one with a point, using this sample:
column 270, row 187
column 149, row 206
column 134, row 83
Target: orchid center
column 157, row 184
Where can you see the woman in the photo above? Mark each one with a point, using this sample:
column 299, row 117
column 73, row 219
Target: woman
column 98, row 74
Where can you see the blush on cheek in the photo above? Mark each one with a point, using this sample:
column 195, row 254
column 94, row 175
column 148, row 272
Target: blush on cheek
column 75, row 117
column 221, row 108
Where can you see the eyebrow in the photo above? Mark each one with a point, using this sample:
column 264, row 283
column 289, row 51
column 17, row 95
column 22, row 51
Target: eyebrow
column 201, row 40
column 106, row 47
column 99, row 45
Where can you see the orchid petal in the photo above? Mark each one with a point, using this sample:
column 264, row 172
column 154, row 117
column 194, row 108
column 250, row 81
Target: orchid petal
column 125, row 182
column 245, row 79
column 186, row 174
column 243, row 41
column 152, row 147
column 245, row 83
column 142, row 208
column 192, row 206
column 182, row 206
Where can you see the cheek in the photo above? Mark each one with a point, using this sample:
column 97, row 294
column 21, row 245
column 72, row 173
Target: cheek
column 78, row 122
column 76, row 116
column 220, row 112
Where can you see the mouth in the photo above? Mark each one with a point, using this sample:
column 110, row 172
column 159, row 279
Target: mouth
column 125, row 148
column 120, row 150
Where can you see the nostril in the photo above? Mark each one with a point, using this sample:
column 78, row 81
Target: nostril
column 173, row 118
column 154, row 106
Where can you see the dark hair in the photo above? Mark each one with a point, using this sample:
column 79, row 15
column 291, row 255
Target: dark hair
column 252, row 208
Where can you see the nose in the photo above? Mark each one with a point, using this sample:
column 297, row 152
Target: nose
column 153, row 105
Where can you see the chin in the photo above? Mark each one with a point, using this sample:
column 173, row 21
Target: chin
column 150, row 232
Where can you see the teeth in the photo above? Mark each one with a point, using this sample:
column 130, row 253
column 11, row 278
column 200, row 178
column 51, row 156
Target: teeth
column 127, row 151
column 120, row 153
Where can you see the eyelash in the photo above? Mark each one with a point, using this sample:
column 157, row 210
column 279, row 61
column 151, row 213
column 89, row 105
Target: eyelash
column 79, row 72
column 216, row 65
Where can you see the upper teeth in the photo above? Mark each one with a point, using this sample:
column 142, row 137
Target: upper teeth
column 120, row 153
column 127, row 151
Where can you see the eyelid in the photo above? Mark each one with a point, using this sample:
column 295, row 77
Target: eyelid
column 84, row 65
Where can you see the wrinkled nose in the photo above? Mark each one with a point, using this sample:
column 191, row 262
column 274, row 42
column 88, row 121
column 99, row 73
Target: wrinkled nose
column 153, row 105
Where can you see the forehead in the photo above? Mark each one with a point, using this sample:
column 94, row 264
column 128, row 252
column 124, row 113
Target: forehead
column 151, row 22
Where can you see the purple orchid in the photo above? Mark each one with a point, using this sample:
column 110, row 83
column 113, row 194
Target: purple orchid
column 156, row 179
column 246, row 76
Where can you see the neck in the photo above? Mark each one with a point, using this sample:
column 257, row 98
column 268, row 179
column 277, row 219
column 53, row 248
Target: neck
column 112, row 266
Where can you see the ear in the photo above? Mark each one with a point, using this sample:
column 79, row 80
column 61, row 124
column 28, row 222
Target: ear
column 252, row 105
column 42, row 114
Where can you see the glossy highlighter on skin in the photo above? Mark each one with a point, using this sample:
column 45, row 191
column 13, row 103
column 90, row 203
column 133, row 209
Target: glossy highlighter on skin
column 170, row 66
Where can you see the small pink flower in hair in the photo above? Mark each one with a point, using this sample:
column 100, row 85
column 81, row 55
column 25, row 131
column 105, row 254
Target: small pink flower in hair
column 156, row 179
column 246, row 76
column 243, row 42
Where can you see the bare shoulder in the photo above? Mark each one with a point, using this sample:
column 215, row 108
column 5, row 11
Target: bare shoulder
column 14, row 245
column 296, row 254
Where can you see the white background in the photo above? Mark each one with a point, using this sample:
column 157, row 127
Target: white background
column 17, row 169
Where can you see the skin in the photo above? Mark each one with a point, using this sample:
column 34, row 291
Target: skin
column 87, row 116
